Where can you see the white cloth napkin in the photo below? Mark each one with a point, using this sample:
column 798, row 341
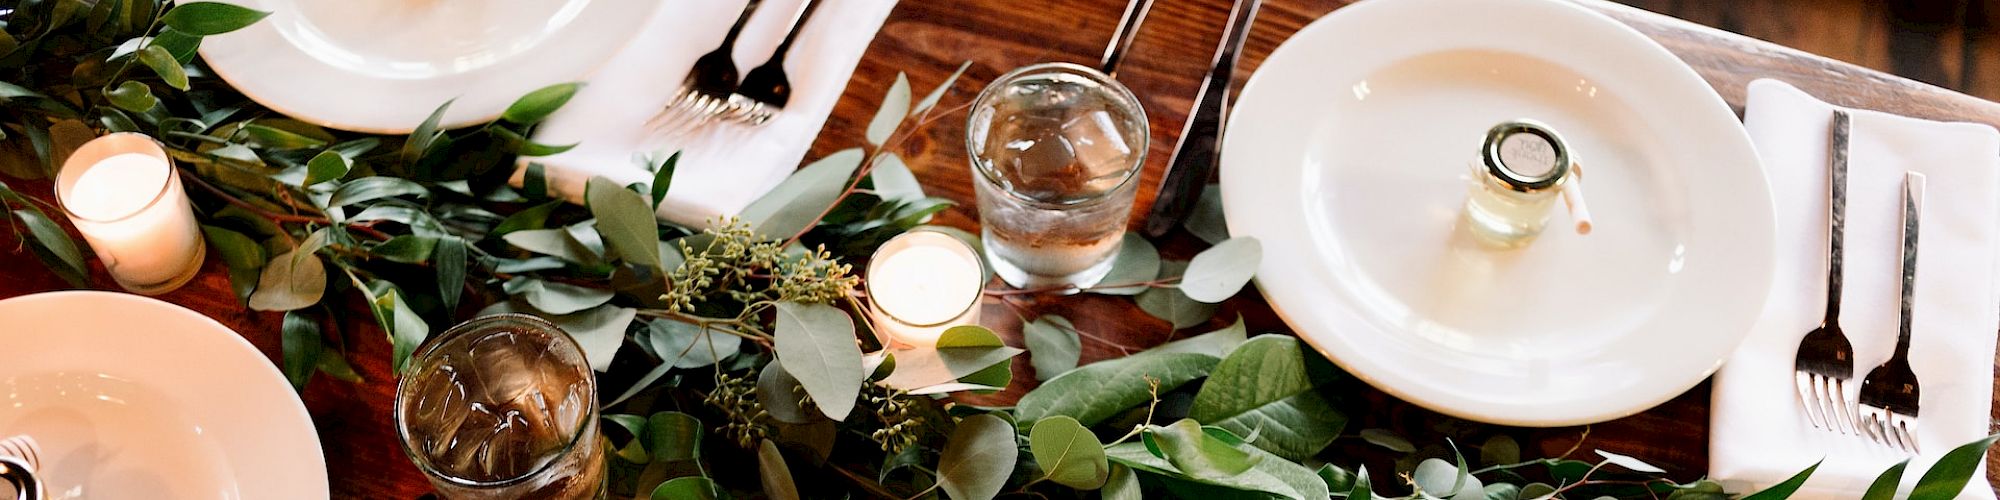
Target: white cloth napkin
column 1758, row 434
column 726, row 168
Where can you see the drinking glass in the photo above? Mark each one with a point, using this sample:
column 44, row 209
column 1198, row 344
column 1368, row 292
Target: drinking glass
column 1056, row 149
column 502, row 406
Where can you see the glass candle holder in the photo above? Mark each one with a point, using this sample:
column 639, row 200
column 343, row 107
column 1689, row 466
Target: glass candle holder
column 1523, row 167
column 1055, row 151
column 922, row 283
column 124, row 195
column 502, row 406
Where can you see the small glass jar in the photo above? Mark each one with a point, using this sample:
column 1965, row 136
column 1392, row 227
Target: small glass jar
column 1523, row 167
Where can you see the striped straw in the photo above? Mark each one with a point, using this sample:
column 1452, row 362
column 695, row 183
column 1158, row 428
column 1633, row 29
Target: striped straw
column 24, row 448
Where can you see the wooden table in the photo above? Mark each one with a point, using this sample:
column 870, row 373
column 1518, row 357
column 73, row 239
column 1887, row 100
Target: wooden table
column 927, row 40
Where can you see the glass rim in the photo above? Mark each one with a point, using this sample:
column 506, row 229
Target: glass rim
column 958, row 244
column 89, row 149
column 1138, row 164
column 430, row 346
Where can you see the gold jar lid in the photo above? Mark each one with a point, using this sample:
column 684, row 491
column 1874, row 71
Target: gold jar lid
column 1526, row 156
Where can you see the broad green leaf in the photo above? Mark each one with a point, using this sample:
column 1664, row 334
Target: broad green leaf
column 302, row 346
column 290, row 281
column 374, row 188
column 535, row 217
column 243, row 256
column 1500, row 491
column 931, row 99
column 131, row 96
column 1785, row 489
column 895, row 107
column 407, row 249
column 1698, row 490
column 1500, row 449
column 1268, row 385
column 181, row 45
column 209, row 18
column 1387, row 439
column 1271, row 475
column 600, row 330
column 1361, row 489
column 1137, row 262
column 1198, row 454
column 817, row 344
column 963, row 354
column 326, row 166
column 53, row 246
column 164, row 64
column 1536, row 491
column 1053, row 345
column 1629, row 462
column 771, row 469
column 424, row 136
column 1337, row 479
column 449, row 258
column 978, row 458
column 1217, row 343
column 663, row 178
column 1219, row 272
column 1438, row 478
column 1103, row 389
column 1171, row 304
column 556, row 298
column 1068, row 453
column 406, row 330
column 553, row 242
column 1123, row 484
column 539, row 104
column 634, row 451
column 690, row 488
column 514, row 142
column 626, row 222
column 535, row 182
column 674, row 436
column 1884, row 487
column 334, row 364
column 778, row 392
column 893, row 180
column 796, row 204
column 1206, row 221
column 422, row 223
column 1948, row 476
column 686, row 345
column 284, row 133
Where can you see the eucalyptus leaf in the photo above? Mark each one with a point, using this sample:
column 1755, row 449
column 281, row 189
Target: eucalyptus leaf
column 302, row 345
column 1536, row 491
column 1949, row 475
column 209, row 18
column 817, row 344
column 1217, row 343
column 1630, row 463
column 796, row 204
column 1438, row 478
column 181, row 45
column 1387, row 439
column 406, row 330
column 164, row 64
column 1267, row 385
column 931, row 100
column 1271, row 475
column 1171, row 304
column 553, row 242
column 556, row 298
column 895, row 107
column 243, row 256
column 962, row 354
column 634, row 451
column 1196, row 453
column 893, row 180
column 600, row 330
column 626, row 222
column 53, row 246
column 1101, row 390
column 777, row 392
column 408, row 249
column 1137, row 262
column 131, row 96
column 373, row 188
column 1500, row 491
column 674, row 436
column 1698, row 490
column 290, row 281
column 1053, row 345
column 978, row 458
column 1219, row 272
column 689, row 488
column 540, row 103
column 771, row 469
column 1123, row 484
column 1068, row 453
column 686, row 345
column 326, row 166
column 1785, row 489
column 1884, row 487
column 1500, row 449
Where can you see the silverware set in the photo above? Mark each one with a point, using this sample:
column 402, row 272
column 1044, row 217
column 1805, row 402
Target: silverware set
column 1884, row 408
column 715, row 91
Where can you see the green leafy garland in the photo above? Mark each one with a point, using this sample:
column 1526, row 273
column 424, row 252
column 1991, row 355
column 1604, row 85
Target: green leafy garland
column 419, row 227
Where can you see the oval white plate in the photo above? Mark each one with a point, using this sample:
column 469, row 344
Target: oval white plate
column 1349, row 155
column 131, row 397
column 382, row 66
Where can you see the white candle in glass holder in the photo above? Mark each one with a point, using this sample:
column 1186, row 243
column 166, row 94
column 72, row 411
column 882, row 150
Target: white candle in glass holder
column 122, row 192
column 922, row 283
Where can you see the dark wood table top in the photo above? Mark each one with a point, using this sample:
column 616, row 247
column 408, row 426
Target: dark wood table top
column 927, row 40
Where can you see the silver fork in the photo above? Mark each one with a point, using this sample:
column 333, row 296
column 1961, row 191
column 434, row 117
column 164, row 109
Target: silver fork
column 1889, row 394
column 766, row 89
column 704, row 95
column 1825, row 363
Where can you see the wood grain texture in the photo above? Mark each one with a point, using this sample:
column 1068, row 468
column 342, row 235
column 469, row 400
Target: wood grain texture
column 927, row 40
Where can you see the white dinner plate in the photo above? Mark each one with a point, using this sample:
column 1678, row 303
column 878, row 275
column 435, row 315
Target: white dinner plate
column 1349, row 156
column 382, row 66
column 131, row 397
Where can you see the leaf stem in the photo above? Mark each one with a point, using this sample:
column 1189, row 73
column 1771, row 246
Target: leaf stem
column 1158, row 283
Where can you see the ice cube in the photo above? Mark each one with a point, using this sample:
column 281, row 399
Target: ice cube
column 1101, row 149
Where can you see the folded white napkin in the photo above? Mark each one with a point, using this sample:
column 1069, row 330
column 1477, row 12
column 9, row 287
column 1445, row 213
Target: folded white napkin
column 724, row 169
column 1758, row 434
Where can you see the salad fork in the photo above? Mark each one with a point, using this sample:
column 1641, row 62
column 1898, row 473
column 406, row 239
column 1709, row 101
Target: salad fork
column 1825, row 363
column 705, row 93
column 765, row 89
column 1889, row 393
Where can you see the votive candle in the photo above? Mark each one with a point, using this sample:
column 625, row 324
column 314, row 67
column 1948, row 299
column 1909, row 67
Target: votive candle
column 123, row 193
column 922, row 283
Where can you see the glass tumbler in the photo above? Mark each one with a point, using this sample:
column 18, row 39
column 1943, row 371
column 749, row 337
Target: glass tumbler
column 1056, row 149
column 502, row 406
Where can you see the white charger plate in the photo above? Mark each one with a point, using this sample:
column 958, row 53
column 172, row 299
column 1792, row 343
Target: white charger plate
column 131, row 397
column 382, row 66
column 1349, row 155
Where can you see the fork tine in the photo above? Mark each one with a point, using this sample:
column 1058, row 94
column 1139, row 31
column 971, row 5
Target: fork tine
column 668, row 110
column 1829, row 409
column 1907, row 428
column 1871, row 426
column 1808, row 405
column 1849, row 407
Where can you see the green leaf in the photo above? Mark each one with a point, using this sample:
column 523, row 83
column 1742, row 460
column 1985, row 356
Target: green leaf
column 1053, row 345
column 373, row 188
column 1337, row 479
column 895, row 107
column 1206, row 221
column 1629, row 463
column 817, row 344
column 290, row 281
column 535, row 217
column 181, row 45
column 931, row 99
column 1500, row 449
column 777, row 391
column 326, row 166
column 1123, row 485
column 893, row 181
column 535, row 182
column 1884, row 487
column 685, row 345
column 302, row 346
column 1196, row 453
column 539, row 104
column 626, row 222
column 663, row 178
column 556, row 298
column 1698, row 490
column 131, row 96
column 1068, row 453
column 449, row 257
column 405, row 328
column 674, row 436
column 514, row 142
column 634, row 451
column 1266, row 385
column 1948, row 476
column 1387, row 439
column 1101, row 390
column 425, row 135
column 796, row 204
column 978, row 458
column 1217, row 343
column 242, row 255
column 600, row 330
column 1271, row 475
column 1438, row 478
column 53, row 246
column 689, row 488
column 777, row 478
column 1501, row 491
column 209, row 18
column 1172, row 306
column 407, row 249
column 1361, row 489
column 1785, row 489
column 165, row 65
column 555, row 242
column 1219, row 272
column 1137, row 262
column 1537, row 491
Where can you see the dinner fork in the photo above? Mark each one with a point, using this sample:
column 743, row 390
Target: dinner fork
column 1889, row 393
column 1825, row 363
column 765, row 89
column 705, row 93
